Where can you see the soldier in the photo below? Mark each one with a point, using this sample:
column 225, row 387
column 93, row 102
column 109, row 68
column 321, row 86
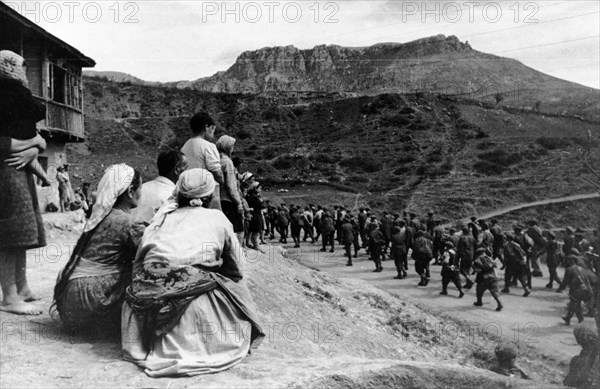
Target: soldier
column 283, row 218
column 347, row 235
column 376, row 241
column 327, row 229
column 580, row 288
column 515, row 263
column 485, row 238
column 474, row 227
column 430, row 224
column 317, row 222
column 438, row 241
column 355, row 233
column 465, row 252
column 372, row 223
column 486, row 279
column 362, row 221
column 498, row 240
column 399, row 252
column 539, row 247
column 308, row 224
column 525, row 243
column 297, row 224
column 453, row 236
column 422, row 254
column 569, row 240
column 414, row 222
column 553, row 259
column 450, row 270
column 386, row 229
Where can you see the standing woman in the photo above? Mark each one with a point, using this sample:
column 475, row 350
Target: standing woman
column 91, row 288
column 231, row 203
column 21, row 226
column 255, row 203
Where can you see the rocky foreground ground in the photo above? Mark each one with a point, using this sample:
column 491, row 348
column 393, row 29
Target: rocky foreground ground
column 321, row 332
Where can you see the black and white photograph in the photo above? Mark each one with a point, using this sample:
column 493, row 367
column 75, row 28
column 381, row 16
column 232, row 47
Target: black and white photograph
column 345, row 194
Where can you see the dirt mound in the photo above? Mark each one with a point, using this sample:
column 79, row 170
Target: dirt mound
column 321, row 331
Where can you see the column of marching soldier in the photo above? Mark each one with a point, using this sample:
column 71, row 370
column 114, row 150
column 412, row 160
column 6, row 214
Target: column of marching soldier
column 472, row 251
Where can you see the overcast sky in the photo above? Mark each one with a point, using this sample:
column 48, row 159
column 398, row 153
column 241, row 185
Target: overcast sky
column 184, row 40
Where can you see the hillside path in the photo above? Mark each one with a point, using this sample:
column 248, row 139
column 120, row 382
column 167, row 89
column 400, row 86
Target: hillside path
column 533, row 320
column 517, row 207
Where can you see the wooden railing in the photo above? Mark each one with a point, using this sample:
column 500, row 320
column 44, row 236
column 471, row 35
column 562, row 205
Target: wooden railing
column 63, row 118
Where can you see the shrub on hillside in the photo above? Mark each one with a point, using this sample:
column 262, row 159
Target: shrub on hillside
column 365, row 164
column 501, row 157
column 488, row 168
column 396, row 120
column 357, row 179
column 553, row 142
column 243, row 133
column 283, row 162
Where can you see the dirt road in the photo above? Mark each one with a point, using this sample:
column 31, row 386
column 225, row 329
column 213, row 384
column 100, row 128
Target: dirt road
column 534, row 320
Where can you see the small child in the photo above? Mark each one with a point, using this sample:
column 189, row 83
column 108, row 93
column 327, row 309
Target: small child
column 506, row 358
column 19, row 110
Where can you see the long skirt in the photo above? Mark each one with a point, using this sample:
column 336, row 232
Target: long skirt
column 93, row 301
column 211, row 336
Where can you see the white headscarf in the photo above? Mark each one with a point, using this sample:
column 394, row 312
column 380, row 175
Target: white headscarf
column 116, row 180
column 11, row 67
column 193, row 184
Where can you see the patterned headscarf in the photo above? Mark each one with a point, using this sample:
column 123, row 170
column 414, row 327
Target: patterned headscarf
column 194, row 184
column 116, row 180
column 11, row 67
column 225, row 144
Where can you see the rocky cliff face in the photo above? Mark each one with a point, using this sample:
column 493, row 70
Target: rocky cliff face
column 440, row 65
column 331, row 68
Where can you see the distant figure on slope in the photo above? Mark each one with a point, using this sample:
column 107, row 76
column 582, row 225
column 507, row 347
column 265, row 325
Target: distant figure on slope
column 506, row 358
column 584, row 368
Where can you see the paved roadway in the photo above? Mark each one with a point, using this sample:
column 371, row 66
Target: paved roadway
column 534, row 320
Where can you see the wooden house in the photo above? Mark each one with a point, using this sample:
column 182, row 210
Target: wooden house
column 54, row 73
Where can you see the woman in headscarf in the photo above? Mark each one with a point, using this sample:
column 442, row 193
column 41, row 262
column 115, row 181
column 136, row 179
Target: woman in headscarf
column 91, row 288
column 231, row 203
column 188, row 310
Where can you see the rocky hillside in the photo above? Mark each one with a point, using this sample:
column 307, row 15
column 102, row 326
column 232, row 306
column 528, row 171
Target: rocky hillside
column 438, row 64
column 457, row 157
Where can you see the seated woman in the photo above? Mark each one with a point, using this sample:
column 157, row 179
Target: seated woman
column 91, row 288
column 188, row 311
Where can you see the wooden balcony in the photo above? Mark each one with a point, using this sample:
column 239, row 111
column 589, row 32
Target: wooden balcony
column 62, row 121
